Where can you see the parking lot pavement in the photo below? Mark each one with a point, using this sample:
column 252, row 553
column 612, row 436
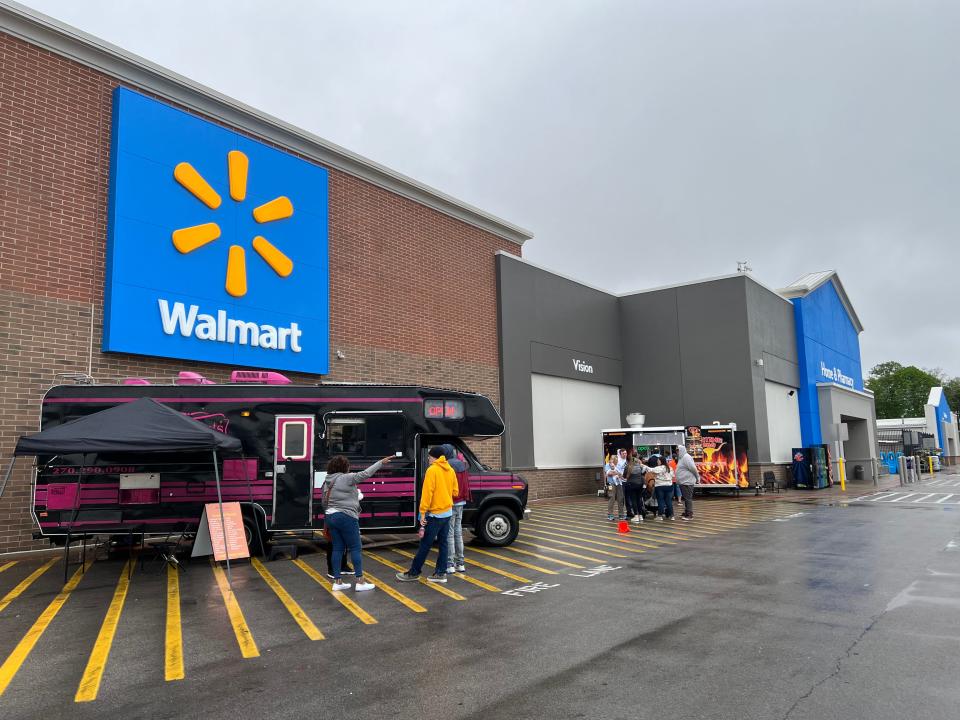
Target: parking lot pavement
column 939, row 491
column 111, row 622
column 531, row 630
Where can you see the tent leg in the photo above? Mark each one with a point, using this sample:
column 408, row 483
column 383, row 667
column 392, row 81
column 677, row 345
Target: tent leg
column 256, row 522
column 6, row 476
column 223, row 524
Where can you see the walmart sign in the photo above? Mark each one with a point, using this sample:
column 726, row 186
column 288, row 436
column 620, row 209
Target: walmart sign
column 217, row 245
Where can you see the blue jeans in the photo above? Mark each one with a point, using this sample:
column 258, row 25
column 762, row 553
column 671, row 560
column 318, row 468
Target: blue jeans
column 436, row 530
column 664, row 495
column 345, row 532
column 455, row 537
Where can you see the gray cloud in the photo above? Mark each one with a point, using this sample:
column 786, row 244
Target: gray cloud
column 644, row 143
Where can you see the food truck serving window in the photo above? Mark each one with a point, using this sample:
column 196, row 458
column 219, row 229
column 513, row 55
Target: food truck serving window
column 446, row 409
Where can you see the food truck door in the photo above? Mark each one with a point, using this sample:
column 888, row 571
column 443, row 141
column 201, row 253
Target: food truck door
column 293, row 472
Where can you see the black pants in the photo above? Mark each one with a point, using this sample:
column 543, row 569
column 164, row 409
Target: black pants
column 633, row 494
column 687, row 491
column 344, row 565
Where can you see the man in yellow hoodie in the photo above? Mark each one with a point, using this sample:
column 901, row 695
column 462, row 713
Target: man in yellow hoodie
column 436, row 507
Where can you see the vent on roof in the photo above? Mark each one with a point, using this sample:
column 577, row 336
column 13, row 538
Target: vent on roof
column 258, row 376
column 191, row 378
column 136, row 381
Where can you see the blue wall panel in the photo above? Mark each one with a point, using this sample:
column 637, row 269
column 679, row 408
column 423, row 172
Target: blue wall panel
column 145, row 269
column 828, row 346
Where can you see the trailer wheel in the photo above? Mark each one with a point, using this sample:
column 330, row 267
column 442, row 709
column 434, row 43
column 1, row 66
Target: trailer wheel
column 498, row 526
column 251, row 535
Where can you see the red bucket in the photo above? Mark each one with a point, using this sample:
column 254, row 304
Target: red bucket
column 623, row 527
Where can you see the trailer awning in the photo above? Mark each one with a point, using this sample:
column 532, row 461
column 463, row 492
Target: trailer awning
column 143, row 425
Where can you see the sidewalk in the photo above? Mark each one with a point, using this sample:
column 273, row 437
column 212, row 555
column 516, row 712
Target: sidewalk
column 854, row 489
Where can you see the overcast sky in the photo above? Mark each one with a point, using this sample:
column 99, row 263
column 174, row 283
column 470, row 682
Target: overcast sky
column 644, row 143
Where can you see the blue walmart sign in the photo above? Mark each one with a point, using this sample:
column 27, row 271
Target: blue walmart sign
column 217, row 245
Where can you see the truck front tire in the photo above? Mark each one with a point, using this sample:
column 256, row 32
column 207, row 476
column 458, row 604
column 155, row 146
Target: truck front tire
column 497, row 526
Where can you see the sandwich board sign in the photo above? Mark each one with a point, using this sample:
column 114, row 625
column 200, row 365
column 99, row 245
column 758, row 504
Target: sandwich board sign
column 210, row 534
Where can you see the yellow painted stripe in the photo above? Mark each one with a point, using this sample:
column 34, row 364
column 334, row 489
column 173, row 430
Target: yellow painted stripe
column 236, row 284
column 462, row 576
column 593, row 531
column 7, row 566
column 361, row 614
column 13, row 662
column 25, row 583
column 574, row 536
column 584, row 518
column 237, row 165
column 277, row 209
column 607, row 531
column 423, row 581
column 248, row 647
column 93, row 674
column 398, row 596
column 173, row 641
column 510, row 548
column 512, row 561
column 188, row 239
column 555, row 550
column 281, row 264
column 296, row 612
column 640, row 529
column 187, row 175
column 579, row 546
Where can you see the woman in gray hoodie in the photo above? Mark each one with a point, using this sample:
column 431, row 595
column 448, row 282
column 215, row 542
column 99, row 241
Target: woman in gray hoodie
column 341, row 516
column 687, row 477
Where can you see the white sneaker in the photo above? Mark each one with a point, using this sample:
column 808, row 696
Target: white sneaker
column 361, row 586
column 341, row 586
column 637, row 520
column 461, row 568
column 451, row 569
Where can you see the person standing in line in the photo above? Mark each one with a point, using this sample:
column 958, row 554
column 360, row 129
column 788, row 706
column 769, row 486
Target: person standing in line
column 633, row 487
column 341, row 516
column 662, row 486
column 672, row 465
column 436, row 509
column 455, row 561
column 687, row 477
column 615, row 470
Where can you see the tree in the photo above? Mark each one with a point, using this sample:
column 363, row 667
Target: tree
column 901, row 391
column 952, row 388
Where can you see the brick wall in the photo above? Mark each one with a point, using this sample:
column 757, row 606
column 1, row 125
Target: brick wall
column 388, row 308
column 560, row 482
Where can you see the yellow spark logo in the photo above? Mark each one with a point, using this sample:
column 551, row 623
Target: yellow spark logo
column 190, row 238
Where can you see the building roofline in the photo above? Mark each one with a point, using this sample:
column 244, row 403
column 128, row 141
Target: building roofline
column 51, row 34
column 802, row 289
column 523, row 260
column 646, row 290
column 701, row 281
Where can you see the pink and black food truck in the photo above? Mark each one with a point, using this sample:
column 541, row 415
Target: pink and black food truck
column 288, row 433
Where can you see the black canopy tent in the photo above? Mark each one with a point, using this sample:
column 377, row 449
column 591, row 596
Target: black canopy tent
column 142, row 425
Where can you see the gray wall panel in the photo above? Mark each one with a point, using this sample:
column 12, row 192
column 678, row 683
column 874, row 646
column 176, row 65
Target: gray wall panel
column 651, row 357
column 536, row 306
column 773, row 339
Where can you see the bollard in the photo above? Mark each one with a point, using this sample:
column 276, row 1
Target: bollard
column 930, row 460
column 843, row 473
column 623, row 527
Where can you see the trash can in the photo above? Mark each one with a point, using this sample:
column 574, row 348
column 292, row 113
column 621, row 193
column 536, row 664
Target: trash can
column 858, row 472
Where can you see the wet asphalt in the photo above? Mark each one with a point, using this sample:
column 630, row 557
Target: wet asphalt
column 775, row 609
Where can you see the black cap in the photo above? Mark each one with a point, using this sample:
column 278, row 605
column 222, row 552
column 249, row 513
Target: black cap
column 436, row 452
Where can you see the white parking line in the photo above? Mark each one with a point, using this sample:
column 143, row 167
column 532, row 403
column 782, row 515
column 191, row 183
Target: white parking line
column 923, row 497
column 944, row 499
column 878, row 496
column 903, row 497
column 937, row 482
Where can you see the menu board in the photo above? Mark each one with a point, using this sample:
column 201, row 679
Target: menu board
column 720, row 454
column 233, row 521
